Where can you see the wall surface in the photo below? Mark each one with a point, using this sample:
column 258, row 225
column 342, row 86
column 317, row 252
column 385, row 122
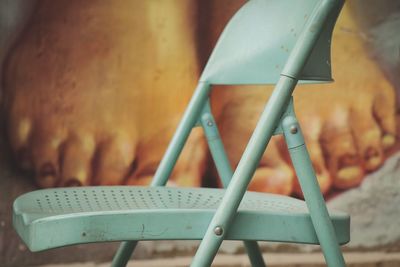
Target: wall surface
column 95, row 89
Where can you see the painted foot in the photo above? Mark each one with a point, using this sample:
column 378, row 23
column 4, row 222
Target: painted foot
column 91, row 86
column 348, row 125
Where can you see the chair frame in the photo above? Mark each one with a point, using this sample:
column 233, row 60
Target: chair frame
column 277, row 118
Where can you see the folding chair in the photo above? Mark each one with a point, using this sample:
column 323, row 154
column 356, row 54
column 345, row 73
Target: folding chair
column 281, row 42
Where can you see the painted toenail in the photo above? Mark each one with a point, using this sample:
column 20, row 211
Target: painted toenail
column 24, row 129
column 72, row 183
column 349, row 173
column 388, row 141
column 47, row 170
column 373, row 159
column 373, row 163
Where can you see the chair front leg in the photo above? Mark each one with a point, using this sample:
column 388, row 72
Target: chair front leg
column 312, row 193
column 225, row 214
column 170, row 158
column 124, row 253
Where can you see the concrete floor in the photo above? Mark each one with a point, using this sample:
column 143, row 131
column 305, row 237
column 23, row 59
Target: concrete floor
column 353, row 259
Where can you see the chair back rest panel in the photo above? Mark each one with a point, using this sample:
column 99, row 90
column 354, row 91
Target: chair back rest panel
column 318, row 65
column 255, row 44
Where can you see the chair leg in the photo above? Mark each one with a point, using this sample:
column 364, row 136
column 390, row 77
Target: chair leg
column 251, row 156
column 225, row 172
column 254, row 253
column 312, row 194
column 123, row 254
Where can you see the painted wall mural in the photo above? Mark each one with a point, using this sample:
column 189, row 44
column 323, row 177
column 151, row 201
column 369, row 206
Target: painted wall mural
column 93, row 90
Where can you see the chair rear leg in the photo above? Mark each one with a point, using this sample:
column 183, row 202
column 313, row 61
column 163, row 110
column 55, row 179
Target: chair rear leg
column 123, row 254
column 312, row 194
column 254, row 253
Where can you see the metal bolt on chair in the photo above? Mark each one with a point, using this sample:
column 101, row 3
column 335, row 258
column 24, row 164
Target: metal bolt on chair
column 266, row 42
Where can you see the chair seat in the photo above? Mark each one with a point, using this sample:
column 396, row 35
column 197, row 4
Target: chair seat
column 52, row 218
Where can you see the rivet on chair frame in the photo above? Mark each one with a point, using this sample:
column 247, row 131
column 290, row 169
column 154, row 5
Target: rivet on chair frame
column 218, row 230
column 293, row 129
column 210, row 123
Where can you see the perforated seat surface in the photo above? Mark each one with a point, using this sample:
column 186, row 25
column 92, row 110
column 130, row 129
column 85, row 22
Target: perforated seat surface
column 57, row 217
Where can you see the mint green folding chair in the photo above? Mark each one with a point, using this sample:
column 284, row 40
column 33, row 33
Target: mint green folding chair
column 268, row 41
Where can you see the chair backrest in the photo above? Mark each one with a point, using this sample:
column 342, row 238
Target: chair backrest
column 257, row 42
